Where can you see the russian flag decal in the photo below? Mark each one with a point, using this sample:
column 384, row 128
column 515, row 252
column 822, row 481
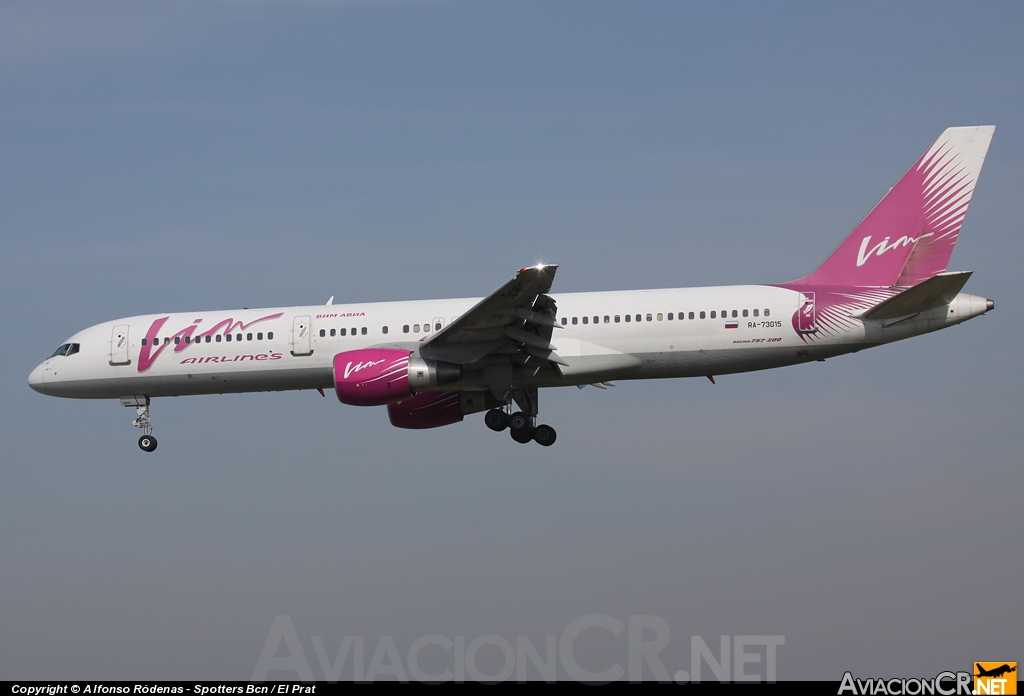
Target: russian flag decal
column 732, row 325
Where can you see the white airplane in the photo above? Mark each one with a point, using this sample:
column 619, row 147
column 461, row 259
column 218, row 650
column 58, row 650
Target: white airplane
column 432, row 362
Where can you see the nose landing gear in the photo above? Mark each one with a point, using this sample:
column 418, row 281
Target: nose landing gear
column 141, row 403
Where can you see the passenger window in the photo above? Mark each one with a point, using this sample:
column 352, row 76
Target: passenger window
column 575, row 321
column 270, row 336
column 167, row 340
column 767, row 312
column 333, row 332
column 670, row 316
column 238, row 337
column 342, row 332
column 713, row 315
column 323, row 332
column 363, row 331
column 734, row 314
column 218, row 338
column 629, row 318
column 384, row 329
column 177, row 340
column 353, row 331
column 564, row 321
column 745, row 312
column 607, row 319
column 228, row 338
column 143, row 343
column 702, row 315
column 597, row 320
column 437, row 327
column 586, row 320
column 659, row 316
column 616, row 318
column 691, row 315
column 415, row 328
column 259, row 336
column 638, row 317
column 405, row 329
column 757, row 312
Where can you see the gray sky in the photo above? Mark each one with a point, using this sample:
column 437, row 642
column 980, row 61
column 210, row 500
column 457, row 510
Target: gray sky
column 174, row 156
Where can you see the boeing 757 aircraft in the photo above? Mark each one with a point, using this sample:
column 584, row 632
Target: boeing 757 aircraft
column 432, row 362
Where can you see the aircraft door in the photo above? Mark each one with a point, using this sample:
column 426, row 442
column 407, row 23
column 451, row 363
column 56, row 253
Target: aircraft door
column 119, row 345
column 806, row 317
column 300, row 337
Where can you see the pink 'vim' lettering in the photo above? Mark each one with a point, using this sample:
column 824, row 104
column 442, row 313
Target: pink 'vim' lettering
column 350, row 368
column 149, row 352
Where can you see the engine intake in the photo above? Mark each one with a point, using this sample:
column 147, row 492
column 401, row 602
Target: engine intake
column 378, row 376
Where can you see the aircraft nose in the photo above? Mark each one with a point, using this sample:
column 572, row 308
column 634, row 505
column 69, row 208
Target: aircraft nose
column 35, row 379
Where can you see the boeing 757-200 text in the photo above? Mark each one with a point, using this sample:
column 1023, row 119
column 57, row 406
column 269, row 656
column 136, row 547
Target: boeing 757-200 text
column 432, row 362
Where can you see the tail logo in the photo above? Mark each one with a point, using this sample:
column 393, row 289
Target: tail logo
column 883, row 246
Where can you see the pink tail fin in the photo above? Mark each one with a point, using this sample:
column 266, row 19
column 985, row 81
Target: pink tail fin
column 909, row 235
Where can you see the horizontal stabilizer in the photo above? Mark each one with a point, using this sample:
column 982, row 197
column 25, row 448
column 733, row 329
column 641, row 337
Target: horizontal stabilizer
column 936, row 291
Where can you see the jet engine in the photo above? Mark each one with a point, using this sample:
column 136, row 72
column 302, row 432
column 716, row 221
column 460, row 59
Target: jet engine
column 434, row 409
column 378, row 376
column 426, row 410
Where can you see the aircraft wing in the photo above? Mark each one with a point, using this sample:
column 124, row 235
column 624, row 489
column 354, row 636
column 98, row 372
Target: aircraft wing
column 517, row 317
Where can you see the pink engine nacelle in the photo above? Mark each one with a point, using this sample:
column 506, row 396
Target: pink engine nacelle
column 426, row 410
column 378, row 376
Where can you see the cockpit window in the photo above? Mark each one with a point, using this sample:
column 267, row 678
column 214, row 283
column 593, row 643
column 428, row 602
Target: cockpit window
column 66, row 349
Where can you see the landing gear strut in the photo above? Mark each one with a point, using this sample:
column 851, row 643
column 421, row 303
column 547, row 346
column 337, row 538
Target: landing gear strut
column 141, row 403
column 520, row 426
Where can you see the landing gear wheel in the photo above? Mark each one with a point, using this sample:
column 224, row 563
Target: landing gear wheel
column 496, row 420
column 545, row 435
column 520, row 427
column 141, row 405
column 519, row 421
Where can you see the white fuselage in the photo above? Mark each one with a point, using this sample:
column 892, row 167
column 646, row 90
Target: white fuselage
column 745, row 327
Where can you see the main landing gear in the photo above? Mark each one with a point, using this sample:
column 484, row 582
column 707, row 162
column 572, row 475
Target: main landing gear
column 141, row 403
column 521, row 427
